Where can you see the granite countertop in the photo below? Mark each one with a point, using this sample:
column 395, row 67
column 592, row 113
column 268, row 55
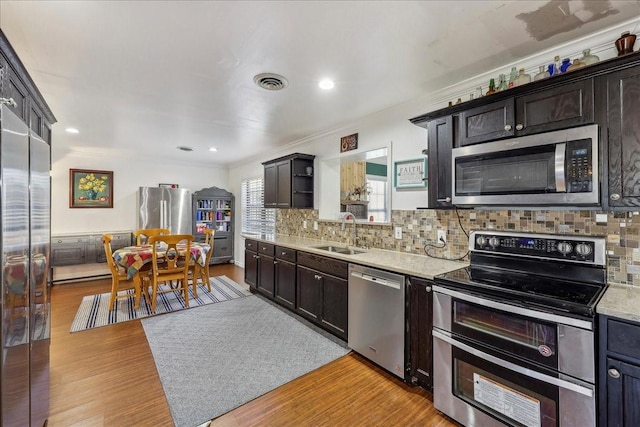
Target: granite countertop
column 404, row 263
column 622, row 301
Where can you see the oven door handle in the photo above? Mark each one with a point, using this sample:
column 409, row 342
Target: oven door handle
column 445, row 336
column 515, row 309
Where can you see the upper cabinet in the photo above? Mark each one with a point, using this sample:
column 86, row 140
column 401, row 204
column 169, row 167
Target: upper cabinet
column 21, row 95
column 288, row 182
column 440, row 144
column 560, row 107
column 623, row 134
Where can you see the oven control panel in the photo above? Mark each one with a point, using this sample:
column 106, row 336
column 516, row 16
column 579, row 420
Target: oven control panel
column 585, row 249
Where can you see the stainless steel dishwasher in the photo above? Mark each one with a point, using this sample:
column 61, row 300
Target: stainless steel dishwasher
column 376, row 317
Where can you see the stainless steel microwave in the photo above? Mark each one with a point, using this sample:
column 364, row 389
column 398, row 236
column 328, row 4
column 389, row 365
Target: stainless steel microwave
column 552, row 168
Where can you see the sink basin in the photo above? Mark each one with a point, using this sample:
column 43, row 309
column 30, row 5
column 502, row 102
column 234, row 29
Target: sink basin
column 339, row 250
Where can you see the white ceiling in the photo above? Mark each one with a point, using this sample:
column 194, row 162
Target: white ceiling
column 142, row 77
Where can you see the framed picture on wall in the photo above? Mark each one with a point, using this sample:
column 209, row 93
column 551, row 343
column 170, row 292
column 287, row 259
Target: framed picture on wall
column 410, row 173
column 90, row 188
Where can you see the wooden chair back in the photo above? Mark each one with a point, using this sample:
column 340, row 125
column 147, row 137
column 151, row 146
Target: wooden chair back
column 168, row 265
column 119, row 279
column 143, row 235
column 209, row 234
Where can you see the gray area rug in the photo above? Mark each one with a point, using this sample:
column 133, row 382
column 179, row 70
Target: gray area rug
column 214, row 358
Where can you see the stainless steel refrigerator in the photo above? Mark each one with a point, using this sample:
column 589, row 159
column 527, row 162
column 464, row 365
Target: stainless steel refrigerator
column 25, row 303
column 165, row 208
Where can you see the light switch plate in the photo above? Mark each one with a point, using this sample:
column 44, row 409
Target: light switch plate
column 397, row 232
column 304, row 224
column 315, row 225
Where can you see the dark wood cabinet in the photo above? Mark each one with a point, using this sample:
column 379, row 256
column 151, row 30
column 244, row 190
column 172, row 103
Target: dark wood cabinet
column 619, row 372
column 623, row 134
column 251, row 263
column 17, row 85
column 322, row 292
column 285, row 277
column 560, row 107
column 486, row 123
column 420, row 338
column 266, row 269
column 440, row 143
column 309, row 295
column 288, row 182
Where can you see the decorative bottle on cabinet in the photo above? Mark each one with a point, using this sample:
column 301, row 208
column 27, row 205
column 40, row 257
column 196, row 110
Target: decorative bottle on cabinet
column 542, row 73
column 588, row 58
column 503, row 83
column 512, row 77
column 492, row 87
column 522, row 78
column 566, row 62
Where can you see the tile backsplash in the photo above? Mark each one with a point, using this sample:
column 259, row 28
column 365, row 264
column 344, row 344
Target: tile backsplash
column 419, row 230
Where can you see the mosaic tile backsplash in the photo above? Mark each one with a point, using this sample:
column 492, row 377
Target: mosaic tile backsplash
column 419, row 231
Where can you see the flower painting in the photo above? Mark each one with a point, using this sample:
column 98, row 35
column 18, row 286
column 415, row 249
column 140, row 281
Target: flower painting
column 90, row 188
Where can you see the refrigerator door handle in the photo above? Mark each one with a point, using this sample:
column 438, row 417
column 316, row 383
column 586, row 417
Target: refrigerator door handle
column 162, row 212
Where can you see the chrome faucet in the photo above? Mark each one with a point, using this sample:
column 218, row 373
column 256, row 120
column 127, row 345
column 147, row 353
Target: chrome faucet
column 346, row 216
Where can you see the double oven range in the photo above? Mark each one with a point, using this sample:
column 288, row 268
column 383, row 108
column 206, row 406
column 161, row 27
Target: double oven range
column 514, row 332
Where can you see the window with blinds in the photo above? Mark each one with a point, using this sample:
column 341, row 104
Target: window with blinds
column 255, row 217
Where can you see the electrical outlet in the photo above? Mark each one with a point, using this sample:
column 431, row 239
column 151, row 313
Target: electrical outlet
column 397, row 232
column 442, row 236
column 315, row 225
column 304, row 224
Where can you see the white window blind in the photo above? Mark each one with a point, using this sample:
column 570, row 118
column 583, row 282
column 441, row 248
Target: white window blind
column 255, row 217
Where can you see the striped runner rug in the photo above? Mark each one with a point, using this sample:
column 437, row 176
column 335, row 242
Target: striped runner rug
column 94, row 309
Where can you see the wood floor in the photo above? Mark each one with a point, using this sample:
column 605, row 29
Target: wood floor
column 107, row 377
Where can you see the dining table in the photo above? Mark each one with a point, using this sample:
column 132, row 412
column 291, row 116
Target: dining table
column 134, row 258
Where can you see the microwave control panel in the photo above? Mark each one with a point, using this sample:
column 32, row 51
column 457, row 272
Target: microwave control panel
column 578, row 164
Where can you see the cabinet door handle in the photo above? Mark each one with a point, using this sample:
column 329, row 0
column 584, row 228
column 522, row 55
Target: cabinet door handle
column 614, row 373
column 507, row 127
column 427, row 288
column 519, row 126
column 446, row 200
column 317, row 277
column 256, row 257
column 614, row 196
column 9, row 101
column 275, row 262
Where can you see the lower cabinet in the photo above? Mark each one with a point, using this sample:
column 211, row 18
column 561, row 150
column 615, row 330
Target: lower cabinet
column 420, row 338
column 84, row 248
column 285, row 277
column 266, row 269
column 251, row 263
column 323, row 291
column 619, row 372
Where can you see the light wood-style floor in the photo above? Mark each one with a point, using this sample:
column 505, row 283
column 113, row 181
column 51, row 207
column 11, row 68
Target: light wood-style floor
column 107, row 377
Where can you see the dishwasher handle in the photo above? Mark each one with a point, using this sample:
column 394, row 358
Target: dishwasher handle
column 378, row 280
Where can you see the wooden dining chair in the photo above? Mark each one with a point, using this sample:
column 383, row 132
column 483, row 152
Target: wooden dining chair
column 198, row 272
column 168, row 265
column 142, row 236
column 119, row 281
column 204, row 271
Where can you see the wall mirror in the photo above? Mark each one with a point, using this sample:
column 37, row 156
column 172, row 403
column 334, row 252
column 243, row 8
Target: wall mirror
column 359, row 183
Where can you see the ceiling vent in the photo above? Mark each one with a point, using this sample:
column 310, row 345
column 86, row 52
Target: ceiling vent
column 270, row 81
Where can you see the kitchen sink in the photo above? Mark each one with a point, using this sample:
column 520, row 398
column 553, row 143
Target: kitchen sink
column 339, row 250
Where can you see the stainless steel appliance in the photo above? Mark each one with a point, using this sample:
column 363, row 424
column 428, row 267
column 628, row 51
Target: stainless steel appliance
column 377, row 317
column 553, row 168
column 165, row 208
column 514, row 333
column 25, row 239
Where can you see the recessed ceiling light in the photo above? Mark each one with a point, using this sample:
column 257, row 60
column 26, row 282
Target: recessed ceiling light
column 213, row 149
column 326, row 84
column 183, row 148
column 72, row 130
